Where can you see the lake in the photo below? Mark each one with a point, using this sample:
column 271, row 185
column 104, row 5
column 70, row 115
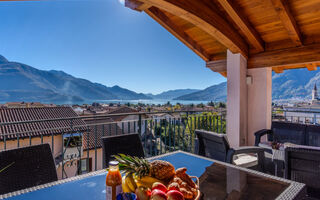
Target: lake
column 151, row 101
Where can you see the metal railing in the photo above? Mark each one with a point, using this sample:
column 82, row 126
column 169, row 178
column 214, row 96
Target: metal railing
column 77, row 148
column 296, row 115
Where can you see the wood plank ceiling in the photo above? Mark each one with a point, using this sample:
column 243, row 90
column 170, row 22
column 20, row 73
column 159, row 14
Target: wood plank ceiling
column 282, row 34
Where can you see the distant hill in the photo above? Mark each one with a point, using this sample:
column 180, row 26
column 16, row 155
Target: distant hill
column 20, row 82
column 172, row 94
column 212, row 93
column 294, row 84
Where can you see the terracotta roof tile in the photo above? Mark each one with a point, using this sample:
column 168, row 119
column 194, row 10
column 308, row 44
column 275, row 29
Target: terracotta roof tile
column 36, row 129
column 123, row 109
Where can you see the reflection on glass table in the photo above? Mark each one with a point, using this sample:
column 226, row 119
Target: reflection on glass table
column 218, row 181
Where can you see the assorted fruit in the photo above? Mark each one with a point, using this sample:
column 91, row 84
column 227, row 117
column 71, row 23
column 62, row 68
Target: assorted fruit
column 156, row 180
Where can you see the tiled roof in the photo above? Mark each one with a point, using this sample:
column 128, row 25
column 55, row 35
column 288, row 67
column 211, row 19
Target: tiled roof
column 101, row 127
column 123, row 109
column 36, row 129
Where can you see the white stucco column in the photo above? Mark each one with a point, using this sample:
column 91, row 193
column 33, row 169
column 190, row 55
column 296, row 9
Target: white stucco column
column 259, row 101
column 236, row 99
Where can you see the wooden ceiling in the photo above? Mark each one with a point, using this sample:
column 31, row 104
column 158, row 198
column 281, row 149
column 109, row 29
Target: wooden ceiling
column 282, row 34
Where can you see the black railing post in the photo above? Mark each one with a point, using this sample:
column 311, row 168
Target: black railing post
column 140, row 125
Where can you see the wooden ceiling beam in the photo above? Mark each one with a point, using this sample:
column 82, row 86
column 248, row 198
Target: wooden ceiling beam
column 312, row 66
column 286, row 57
column 225, row 74
column 217, row 65
column 136, row 5
column 288, row 21
column 278, row 70
column 252, row 35
column 204, row 17
column 167, row 23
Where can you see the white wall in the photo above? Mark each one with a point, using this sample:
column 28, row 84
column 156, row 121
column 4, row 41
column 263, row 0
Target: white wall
column 259, row 101
column 236, row 99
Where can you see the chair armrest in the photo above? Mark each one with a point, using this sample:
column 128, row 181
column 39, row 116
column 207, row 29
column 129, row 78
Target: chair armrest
column 247, row 149
column 196, row 146
column 261, row 133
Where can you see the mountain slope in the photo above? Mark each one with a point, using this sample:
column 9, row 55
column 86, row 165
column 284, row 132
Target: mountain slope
column 294, row 84
column 172, row 94
column 212, row 93
column 20, row 82
column 126, row 94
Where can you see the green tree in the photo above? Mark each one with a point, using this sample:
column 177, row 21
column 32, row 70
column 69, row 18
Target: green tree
column 222, row 105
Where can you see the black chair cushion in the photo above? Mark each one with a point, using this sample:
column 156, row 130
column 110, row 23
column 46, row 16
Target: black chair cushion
column 313, row 135
column 28, row 167
column 212, row 145
column 129, row 144
column 288, row 132
column 303, row 165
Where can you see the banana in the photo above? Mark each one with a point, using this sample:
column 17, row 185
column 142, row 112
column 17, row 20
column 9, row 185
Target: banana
column 125, row 187
column 130, row 182
column 146, row 181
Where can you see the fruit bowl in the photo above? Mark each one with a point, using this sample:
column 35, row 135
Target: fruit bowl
column 124, row 179
column 157, row 179
column 198, row 186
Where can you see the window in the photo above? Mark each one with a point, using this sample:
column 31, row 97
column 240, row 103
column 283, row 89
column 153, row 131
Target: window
column 85, row 166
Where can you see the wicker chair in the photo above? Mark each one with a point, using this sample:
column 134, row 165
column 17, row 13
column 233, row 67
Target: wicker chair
column 26, row 167
column 283, row 132
column 216, row 146
column 129, row 144
column 302, row 164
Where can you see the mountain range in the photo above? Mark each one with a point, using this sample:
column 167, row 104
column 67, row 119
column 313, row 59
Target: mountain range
column 21, row 82
column 295, row 84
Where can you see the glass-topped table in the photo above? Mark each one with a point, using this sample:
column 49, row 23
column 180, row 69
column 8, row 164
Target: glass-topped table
column 217, row 181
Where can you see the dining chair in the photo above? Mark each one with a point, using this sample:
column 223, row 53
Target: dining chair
column 26, row 167
column 302, row 164
column 216, row 146
column 129, row 144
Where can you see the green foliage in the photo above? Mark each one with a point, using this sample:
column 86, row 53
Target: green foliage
column 72, row 141
column 211, row 103
column 222, row 105
column 180, row 134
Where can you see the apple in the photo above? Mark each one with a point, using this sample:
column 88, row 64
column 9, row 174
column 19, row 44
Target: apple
column 159, row 186
column 175, row 195
column 173, row 186
column 158, row 195
column 143, row 193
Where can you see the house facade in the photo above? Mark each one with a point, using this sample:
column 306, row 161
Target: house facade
column 37, row 125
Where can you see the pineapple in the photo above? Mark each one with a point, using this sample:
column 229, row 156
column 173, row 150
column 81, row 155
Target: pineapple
column 159, row 169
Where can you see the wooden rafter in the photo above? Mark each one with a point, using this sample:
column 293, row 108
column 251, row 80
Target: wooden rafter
column 165, row 21
column 202, row 16
column 288, row 21
column 217, row 65
column 278, row 70
column 136, row 5
column 286, row 57
column 244, row 25
column 312, row 66
column 224, row 74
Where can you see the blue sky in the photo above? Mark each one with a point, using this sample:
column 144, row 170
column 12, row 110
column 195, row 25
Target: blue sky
column 102, row 41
